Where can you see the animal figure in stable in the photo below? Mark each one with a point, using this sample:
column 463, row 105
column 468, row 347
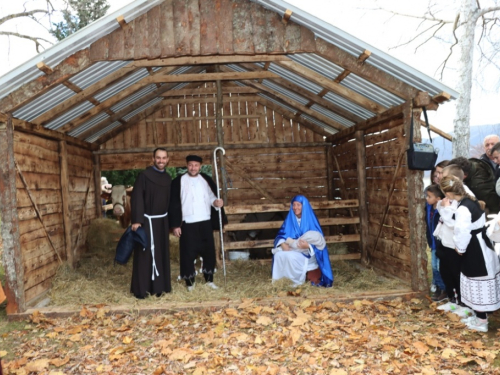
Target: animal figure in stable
column 120, row 198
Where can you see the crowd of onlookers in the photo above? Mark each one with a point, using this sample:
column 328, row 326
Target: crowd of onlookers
column 465, row 264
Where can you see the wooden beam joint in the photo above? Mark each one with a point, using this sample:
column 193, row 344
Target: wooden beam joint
column 286, row 16
column 121, row 21
column 44, row 68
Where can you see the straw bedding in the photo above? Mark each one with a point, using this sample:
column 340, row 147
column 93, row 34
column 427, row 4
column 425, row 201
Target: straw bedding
column 97, row 280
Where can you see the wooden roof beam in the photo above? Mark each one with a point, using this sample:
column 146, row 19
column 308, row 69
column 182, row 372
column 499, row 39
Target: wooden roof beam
column 313, row 98
column 73, row 124
column 286, row 16
column 28, row 92
column 207, row 60
column 209, row 91
column 361, row 59
column 223, row 76
column 332, row 86
column 367, row 71
column 296, row 105
column 118, row 115
column 131, row 122
column 85, row 94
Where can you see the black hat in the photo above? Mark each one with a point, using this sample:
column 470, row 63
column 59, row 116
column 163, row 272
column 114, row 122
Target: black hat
column 194, row 158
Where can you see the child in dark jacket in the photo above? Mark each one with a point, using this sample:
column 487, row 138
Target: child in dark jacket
column 433, row 195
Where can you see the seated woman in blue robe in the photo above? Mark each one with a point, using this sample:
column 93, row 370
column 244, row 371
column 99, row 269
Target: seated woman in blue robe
column 300, row 248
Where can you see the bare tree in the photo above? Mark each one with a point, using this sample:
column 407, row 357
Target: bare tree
column 34, row 15
column 472, row 27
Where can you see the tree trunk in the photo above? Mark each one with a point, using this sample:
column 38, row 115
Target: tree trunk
column 461, row 123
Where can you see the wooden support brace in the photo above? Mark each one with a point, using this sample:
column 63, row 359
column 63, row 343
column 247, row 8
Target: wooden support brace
column 286, row 16
column 422, row 99
column 121, row 21
column 39, row 215
column 83, row 213
column 44, row 68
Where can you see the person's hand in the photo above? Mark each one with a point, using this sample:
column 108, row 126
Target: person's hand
column 458, row 252
column 135, row 226
column 218, row 203
column 177, row 232
column 285, row 246
column 302, row 244
column 445, row 202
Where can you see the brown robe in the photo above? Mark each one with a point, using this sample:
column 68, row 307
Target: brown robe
column 151, row 196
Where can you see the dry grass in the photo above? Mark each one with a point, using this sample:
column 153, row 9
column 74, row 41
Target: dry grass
column 98, row 280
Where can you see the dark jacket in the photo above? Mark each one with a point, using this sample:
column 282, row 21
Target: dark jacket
column 175, row 210
column 432, row 220
column 492, row 164
column 481, row 180
column 128, row 242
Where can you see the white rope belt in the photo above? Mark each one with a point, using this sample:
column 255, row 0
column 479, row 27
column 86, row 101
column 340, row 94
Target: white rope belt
column 149, row 217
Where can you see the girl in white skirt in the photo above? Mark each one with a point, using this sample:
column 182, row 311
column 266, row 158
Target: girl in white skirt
column 480, row 266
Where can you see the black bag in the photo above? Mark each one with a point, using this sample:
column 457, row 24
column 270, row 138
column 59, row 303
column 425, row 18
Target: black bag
column 421, row 156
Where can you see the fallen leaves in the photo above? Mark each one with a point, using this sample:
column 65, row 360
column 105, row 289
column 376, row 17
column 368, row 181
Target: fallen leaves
column 296, row 335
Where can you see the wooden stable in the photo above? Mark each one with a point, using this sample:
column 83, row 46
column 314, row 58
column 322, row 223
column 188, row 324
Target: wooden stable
column 277, row 144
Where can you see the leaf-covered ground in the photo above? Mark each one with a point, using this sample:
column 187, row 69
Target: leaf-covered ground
column 294, row 335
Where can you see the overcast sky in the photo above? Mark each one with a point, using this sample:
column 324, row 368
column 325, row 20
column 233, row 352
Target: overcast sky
column 357, row 17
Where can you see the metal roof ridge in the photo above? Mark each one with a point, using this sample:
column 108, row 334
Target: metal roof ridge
column 328, row 31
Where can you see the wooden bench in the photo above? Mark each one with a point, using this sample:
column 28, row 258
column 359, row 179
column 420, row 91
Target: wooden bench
column 232, row 211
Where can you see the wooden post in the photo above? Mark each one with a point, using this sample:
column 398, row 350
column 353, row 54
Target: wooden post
column 63, row 160
column 416, row 214
column 329, row 182
column 97, row 185
column 220, row 135
column 363, row 208
column 9, row 224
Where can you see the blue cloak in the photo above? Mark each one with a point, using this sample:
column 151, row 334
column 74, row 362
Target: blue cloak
column 309, row 221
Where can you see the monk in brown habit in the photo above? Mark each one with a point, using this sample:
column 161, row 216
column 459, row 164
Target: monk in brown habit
column 150, row 203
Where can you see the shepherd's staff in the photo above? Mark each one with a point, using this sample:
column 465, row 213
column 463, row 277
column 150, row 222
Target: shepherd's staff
column 220, row 211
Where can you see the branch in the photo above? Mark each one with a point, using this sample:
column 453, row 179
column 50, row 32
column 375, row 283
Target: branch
column 421, row 17
column 33, row 39
column 22, row 14
column 455, row 26
column 482, row 12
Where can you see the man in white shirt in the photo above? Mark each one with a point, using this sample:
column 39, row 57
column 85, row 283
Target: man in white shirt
column 193, row 217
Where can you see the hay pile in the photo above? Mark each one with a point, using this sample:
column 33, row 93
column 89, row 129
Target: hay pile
column 98, row 280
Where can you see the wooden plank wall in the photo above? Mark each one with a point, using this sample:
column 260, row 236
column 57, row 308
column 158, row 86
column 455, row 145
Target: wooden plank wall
column 283, row 172
column 384, row 144
column 200, row 27
column 39, row 162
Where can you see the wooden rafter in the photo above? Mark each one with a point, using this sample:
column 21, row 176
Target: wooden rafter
column 206, row 60
column 209, row 91
column 202, row 77
column 332, row 86
column 290, row 102
column 118, row 115
column 75, row 123
column 131, row 122
column 313, row 98
column 367, row 71
column 85, row 94
column 30, row 91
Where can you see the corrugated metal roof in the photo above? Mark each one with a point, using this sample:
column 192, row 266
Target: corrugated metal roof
column 96, row 72
column 43, row 103
column 99, row 70
column 72, row 114
column 82, row 39
column 356, row 47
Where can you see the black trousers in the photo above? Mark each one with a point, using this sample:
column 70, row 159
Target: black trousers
column 449, row 268
column 197, row 239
